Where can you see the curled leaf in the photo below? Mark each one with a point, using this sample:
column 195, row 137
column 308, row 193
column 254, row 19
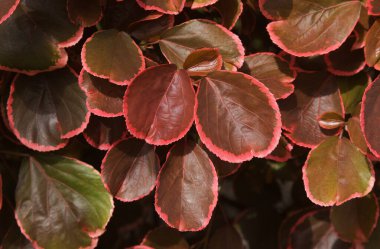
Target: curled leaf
column 203, row 61
column 331, row 121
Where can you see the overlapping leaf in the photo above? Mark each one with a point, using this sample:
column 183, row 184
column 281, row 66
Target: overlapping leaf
column 352, row 90
column 274, row 72
column 237, row 117
column 354, row 130
column 196, row 4
column 187, row 188
column 314, row 95
column 7, row 7
column 112, row 55
column 223, row 168
column 313, row 27
column 230, row 10
column 203, row 61
column 372, row 46
column 130, row 169
column 46, row 109
column 373, row 7
column 336, row 172
column 177, row 43
column 85, row 12
column 166, row 6
column 283, row 151
column 69, row 206
column 169, row 113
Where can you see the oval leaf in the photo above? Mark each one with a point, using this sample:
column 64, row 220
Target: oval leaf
column 130, row 169
column 369, row 116
column 314, row 95
column 203, row 61
column 230, row 10
column 103, row 98
column 336, row 172
column 317, row 29
column 166, row 6
column 187, row 188
column 112, row 55
column 331, row 121
column 355, row 220
column 372, row 45
column 85, row 12
column 70, row 206
column 101, row 132
column 177, row 43
column 169, row 113
column 273, row 71
column 45, row 109
column 7, row 7
column 165, row 238
column 237, row 117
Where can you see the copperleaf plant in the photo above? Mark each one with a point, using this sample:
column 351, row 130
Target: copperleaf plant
column 189, row 124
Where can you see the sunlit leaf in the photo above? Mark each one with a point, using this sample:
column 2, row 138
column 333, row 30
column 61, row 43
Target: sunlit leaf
column 166, row 6
column 203, row 61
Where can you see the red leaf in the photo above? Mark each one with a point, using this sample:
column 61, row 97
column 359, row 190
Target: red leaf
column 187, row 188
column 230, row 10
column 283, row 151
column 169, row 113
column 7, row 7
column 196, row 4
column 314, row 95
column 130, row 169
column 103, row 98
column 237, row 117
column 172, row 7
column 373, row 7
column 372, row 45
column 203, row 61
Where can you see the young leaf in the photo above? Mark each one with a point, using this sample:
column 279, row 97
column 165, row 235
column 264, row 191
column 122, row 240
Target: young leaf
column 85, row 12
column 203, row 61
column 336, row 172
column 314, row 95
column 369, row 116
column 273, row 71
column 130, row 169
column 172, row 7
column 46, row 109
column 101, row 132
column 112, row 55
column 196, row 4
column 69, row 207
column 165, row 238
column 178, row 42
column 237, row 117
column 315, row 28
column 355, row 220
column 169, row 113
column 230, row 10
column 352, row 89
column 187, row 188
column 103, row 98
column 373, row 7
column 227, row 238
column 372, row 45
column 331, row 121
column 7, row 7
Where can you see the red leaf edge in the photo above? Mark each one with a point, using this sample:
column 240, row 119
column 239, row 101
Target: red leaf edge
column 153, row 7
column 10, row 11
column 101, row 146
column 265, row 13
column 331, row 69
column 72, row 40
column 369, row 7
column 200, row 5
column 236, row 18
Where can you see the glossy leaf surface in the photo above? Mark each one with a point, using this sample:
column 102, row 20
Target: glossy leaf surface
column 45, row 109
column 169, row 113
column 336, row 172
column 182, row 200
column 112, row 55
column 69, row 207
column 177, row 43
column 203, row 61
column 274, row 72
column 237, row 117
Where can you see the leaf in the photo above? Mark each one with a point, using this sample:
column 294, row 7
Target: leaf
column 336, row 61
column 14, row 239
column 178, row 42
column 273, row 71
column 374, row 240
column 336, row 172
column 46, row 109
column 236, row 117
column 203, row 61
column 7, row 7
column 165, row 238
column 85, row 12
column 314, row 95
column 101, row 132
column 69, row 207
column 331, row 121
column 130, row 169
column 187, row 188
column 112, row 55
column 373, row 7
column 230, row 10
column 226, row 237
column 369, row 116
column 172, row 7
column 196, row 4
column 352, row 90
column 103, row 98
column 354, row 221
column 315, row 27
column 372, row 45
column 314, row 231
column 355, row 132
column 283, row 151
column 169, row 113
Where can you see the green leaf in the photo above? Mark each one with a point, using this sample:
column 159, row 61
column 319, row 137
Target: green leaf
column 61, row 202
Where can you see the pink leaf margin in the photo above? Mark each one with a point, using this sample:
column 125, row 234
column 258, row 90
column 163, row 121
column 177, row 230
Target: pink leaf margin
column 333, row 70
column 154, row 7
column 370, row 8
column 10, row 11
column 230, row 157
column 201, row 5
